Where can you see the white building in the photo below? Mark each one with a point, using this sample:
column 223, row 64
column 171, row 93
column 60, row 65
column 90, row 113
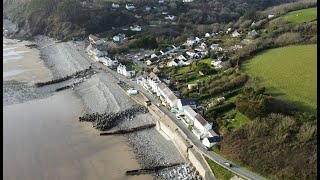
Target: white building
column 127, row 71
column 153, row 82
column 207, row 35
column 235, row 34
column 270, row 16
column 130, row 6
column 187, row 1
column 210, row 139
column 115, row 5
column 172, row 100
column 152, row 61
column 108, row 62
column 215, row 47
column 181, row 57
column 186, row 102
column 192, row 40
column 190, row 114
column 201, row 126
column 253, row 33
column 170, row 17
column 217, row 64
column 135, row 28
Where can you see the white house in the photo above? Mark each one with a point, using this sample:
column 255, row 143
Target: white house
column 221, row 99
column 174, row 62
column 93, row 38
column 115, row 5
column 183, row 103
column 207, row 35
column 217, row 64
column 270, row 16
column 164, row 94
column 187, row 1
column 135, row 28
column 190, row 114
column 253, row 33
column 130, row 6
column 253, row 24
column 172, row 100
column 152, row 61
column 181, row 57
column 108, row 62
column 210, row 139
column 192, row 40
column 170, row 17
column 153, row 81
column 190, row 86
column 127, row 71
column 148, row 8
column 157, row 54
column 203, row 45
column 201, row 126
column 161, row 1
column 216, row 47
column 161, row 88
column 235, row 34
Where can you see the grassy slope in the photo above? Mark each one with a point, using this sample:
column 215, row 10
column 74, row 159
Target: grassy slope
column 220, row 172
column 289, row 72
column 301, row 16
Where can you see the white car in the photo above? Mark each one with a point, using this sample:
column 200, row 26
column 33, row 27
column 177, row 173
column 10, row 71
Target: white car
column 228, row 164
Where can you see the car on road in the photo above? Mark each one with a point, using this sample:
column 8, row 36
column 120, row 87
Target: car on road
column 227, row 164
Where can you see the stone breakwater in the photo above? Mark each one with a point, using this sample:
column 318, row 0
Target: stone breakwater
column 79, row 74
column 183, row 171
column 107, row 121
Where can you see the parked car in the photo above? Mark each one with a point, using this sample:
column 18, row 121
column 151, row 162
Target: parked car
column 228, row 164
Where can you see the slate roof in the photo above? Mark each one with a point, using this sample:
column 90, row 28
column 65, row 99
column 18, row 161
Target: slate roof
column 162, row 86
column 188, row 102
column 190, row 111
column 213, row 139
column 172, row 97
column 202, row 121
column 129, row 68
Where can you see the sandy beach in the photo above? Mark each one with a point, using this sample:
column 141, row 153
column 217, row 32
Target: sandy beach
column 22, row 63
column 46, row 140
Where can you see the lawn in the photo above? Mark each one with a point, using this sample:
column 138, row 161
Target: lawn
column 239, row 120
column 137, row 68
column 301, row 16
column 288, row 72
column 218, row 171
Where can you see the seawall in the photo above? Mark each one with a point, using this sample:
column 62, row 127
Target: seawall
column 165, row 125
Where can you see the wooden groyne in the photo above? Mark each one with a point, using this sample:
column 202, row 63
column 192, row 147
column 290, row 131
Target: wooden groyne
column 124, row 131
column 150, row 170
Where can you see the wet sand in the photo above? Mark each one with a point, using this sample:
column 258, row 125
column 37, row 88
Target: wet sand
column 43, row 138
column 22, row 63
column 46, row 141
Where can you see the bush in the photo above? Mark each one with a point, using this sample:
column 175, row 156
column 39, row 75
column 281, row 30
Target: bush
column 219, row 109
column 288, row 38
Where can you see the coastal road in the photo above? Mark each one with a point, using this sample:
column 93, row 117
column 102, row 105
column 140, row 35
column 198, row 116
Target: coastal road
column 192, row 138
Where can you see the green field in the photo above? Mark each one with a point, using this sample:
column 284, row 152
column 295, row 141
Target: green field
column 301, row 16
column 288, row 72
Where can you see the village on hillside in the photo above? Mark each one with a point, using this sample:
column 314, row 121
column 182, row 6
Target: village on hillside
column 161, row 72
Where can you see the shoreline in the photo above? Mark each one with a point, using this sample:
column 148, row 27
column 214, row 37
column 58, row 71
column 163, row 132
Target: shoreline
column 100, row 93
